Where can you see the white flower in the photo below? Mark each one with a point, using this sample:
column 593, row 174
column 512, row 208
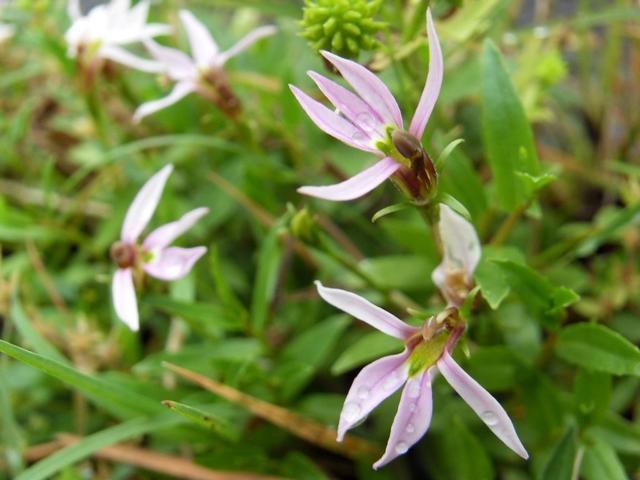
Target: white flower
column 192, row 74
column 101, row 32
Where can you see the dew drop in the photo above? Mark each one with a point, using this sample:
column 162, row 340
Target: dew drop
column 414, row 390
column 410, row 428
column 365, row 121
column 390, row 381
column 363, row 393
column 351, row 411
column 489, row 418
column 401, row 448
column 412, row 407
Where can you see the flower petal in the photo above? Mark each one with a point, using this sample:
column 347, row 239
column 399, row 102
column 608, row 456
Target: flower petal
column 177, row 64
column 124, row 298
column 372, row 385
column 73, row 9
column 203, row 47
column 482, row 402
column 143, row 205
column 432, row 85
column 369, row 87
column 356, row 186
column 366, row 311
column 460, row 241
column 333, row 124
column 244, row 43
column 180, row 90
column 351, row 106
column 123, row 57
column 412, row 419
column 162, row 236
column 173, row 263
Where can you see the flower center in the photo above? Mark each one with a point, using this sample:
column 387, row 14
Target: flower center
column 123, row 254
column 407, row 145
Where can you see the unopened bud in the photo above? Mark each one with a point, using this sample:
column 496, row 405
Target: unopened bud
column 303, row 226
column 123, row 254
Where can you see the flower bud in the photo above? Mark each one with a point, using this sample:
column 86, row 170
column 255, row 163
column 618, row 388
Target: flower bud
column 344, row 27
column 303, row 226
column 123, row 254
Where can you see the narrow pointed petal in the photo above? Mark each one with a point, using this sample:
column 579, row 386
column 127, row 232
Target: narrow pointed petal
column 333, row 124
column 412, row 419
column 162, row 236
column 143, row 205
column 178, row 65
column 366, row 311
column 244, row 43
column 124, row 298
column 123, row 57
column 369, row 87
column 372, row 385
column 482, row 402
column 351, row 106
column 203, row 47
column 356, row 186
column 180, row 90
column 432, row 86
column 174, row 263
column 461, row 244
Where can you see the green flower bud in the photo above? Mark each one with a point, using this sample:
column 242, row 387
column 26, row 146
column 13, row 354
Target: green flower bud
column 303, row 225
column 344, row 27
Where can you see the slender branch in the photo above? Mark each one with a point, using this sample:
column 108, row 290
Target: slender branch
column 296, row 424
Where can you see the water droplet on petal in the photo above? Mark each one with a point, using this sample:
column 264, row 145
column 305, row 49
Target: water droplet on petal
column 401, row 448
column 412, row 407
column 365, row 121
column 390, row 381
column 414, row 390
column 351, row 411
column 489, row 418
column 363, row 393
column 410, row 428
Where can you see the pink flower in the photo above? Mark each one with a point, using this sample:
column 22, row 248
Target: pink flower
column 370, row 119
column 154, row 256
column 454, row 275
column 199, row 73
column 103, row 31
column 427, row 352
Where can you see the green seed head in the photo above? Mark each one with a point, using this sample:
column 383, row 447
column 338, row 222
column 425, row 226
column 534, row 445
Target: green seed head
column 344, row 27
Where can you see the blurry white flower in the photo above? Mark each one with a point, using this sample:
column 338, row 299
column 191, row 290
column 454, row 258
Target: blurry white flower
column 105, row 28
column 6, row 32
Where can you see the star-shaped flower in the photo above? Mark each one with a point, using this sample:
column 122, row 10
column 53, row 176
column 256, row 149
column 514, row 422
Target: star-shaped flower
column 203, row 71
column 427, row 352
column 371, row 120
column 154, row 255
column 106, row 27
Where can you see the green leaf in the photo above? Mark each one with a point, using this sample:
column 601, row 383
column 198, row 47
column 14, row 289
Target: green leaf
column 446, row 152
column 599, row 348
column 206, row 417
column 454, row 204
column 397, row 207
column 491, row 278
column 92, row 443
column 264, row 288
column 600, row 461
column 618, row 432
column 109, row 395
column 369, row 347
column 507, row 133
column 609, row 228
column 544, row 299
column 563, row 457
column 592, row 392
column 404, row 272
column 495, row 368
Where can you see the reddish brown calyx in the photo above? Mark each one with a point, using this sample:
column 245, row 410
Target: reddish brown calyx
column 123, row 254
column 421, row 179
column 216, row 87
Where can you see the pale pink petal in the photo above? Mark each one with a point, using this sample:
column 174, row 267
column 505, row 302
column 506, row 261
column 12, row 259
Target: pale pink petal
column 180, row 90
column 369, row 87
column 123, row 57
column 460, row 241
column 203, row 47
column 366, row 311
column 173, row 263
column 351, row 106
column 333, row 124
column 412, row 419
column 244, row 43
column 481, row 402
column 372, row 385
column 143, row 205
column 357, row 185
column 178, row 65
column 124, row 298
column 432, row 85
column 162, row 236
